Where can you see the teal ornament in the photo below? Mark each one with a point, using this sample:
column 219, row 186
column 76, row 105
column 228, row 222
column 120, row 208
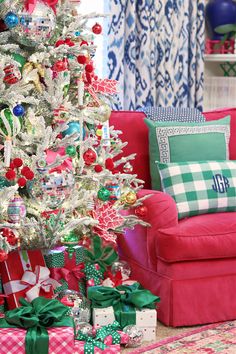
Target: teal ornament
column 4, row 182
column 73, row 127
column 104, row 194
column 11, row 19
column 77, row 33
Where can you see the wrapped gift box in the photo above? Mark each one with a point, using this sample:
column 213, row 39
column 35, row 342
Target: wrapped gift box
column 112, row 349
column 61, row 340
column 2, row 300
column 12, row 271
column 145, row 319
column 58, row 260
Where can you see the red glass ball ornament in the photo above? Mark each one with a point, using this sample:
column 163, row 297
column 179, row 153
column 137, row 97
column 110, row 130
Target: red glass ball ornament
column 29, row 175
column 109, row 164
column 97, row 28
column 98, row 168
column 89, row 157
column 60, row 65
column 9, row 235
column 59, row 42
column 89, row 68
column 3, row 255
column 24, row 170
column 10, row 175
column 81, row 59
column 69, row 42
column 17, row 162
column 83, row 43
column 141, row 211
column 21, row 182
column 12, row 74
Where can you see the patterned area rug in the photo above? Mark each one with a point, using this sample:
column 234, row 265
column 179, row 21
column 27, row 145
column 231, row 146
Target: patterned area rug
column 210, row 339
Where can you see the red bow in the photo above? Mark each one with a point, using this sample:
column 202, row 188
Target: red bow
column 69, row 275
column 115, row 278
column 30, row 4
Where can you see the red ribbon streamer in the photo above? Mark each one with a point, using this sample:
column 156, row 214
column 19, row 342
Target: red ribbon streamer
column 31, row 4
column 69, row 275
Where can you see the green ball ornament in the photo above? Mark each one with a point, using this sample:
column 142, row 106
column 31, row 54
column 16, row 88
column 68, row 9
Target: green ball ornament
column 71, row 150
column 104, row 194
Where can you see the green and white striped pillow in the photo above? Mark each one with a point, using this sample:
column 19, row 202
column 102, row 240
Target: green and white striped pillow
column 200, row 187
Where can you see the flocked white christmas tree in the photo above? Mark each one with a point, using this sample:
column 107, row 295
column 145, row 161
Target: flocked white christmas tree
column 61, row 178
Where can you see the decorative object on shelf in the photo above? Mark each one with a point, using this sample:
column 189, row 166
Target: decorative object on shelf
column 219, row 12
column 228, row 31
column 219, row 47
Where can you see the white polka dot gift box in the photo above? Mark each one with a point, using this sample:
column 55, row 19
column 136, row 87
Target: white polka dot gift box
column 146, row 319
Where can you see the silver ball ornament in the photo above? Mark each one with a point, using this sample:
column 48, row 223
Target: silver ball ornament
column 135, row 336
column 85, row 328
column 36, row 27
column 123, row 267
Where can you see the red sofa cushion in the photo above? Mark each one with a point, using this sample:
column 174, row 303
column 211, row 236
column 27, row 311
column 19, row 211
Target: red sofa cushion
column 208, row 236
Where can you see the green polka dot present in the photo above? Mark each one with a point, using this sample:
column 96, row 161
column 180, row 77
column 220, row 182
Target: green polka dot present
column 67, row 269
column 98, row 258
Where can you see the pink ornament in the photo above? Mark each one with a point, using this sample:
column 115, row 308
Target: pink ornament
column 16, row 209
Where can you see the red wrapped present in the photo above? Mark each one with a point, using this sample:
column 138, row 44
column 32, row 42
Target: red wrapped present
column 61, row 340
column 24, row 275
column 66, row 268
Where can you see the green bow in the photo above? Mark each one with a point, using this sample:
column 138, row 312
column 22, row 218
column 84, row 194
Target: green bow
column 109, row 330
column 124, row 299
column 90, row 343
column 104, row 256
column 36, row 317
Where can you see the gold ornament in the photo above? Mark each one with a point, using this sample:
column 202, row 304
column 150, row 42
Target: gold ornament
column 34, row 76
column 131, row 198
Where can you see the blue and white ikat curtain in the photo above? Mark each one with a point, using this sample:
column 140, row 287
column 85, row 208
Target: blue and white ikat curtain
column 155, row 51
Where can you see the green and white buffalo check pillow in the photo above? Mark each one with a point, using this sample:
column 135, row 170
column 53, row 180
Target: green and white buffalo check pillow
column 200, row 187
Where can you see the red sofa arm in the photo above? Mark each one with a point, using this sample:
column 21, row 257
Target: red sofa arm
column 162, row 213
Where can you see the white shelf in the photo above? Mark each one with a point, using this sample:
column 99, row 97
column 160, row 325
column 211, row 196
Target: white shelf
column 220, row 57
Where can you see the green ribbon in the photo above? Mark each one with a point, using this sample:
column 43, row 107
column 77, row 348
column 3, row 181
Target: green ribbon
column 92, row 273
column 104, row 256
column 36, row 317
column 109, row 330
column 90, row 343
column 124, row 299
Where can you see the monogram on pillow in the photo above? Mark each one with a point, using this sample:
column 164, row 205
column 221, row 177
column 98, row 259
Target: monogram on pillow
column 200, row 187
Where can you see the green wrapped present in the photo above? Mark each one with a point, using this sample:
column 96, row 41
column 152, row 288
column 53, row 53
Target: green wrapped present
column 98, row 259
column 67, row 269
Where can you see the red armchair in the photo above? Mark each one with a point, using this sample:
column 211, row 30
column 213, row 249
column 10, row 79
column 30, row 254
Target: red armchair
column 190, row 263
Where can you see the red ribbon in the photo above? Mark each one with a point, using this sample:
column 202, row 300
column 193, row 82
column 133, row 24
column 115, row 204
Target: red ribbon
column 2, row 297
column 69, row 275
column 31, row 4
column 115, row 278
